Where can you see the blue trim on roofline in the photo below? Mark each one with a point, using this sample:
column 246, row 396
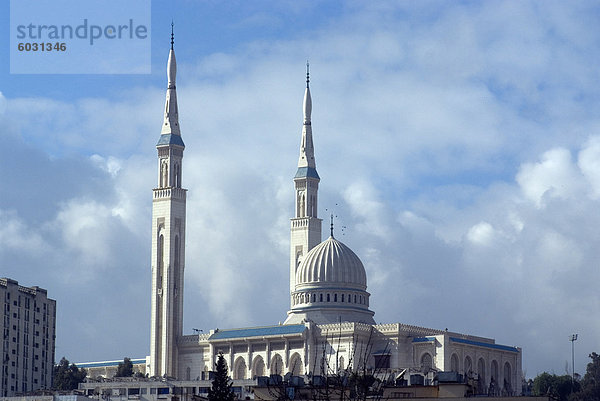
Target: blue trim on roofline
column 423, row 339
column 104, row 364
column 304, row 172
column 170, row 139
column 486, row 345
column 258, row 331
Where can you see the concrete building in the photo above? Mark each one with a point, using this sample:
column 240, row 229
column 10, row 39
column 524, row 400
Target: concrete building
column 29, row 333
column 329, row 327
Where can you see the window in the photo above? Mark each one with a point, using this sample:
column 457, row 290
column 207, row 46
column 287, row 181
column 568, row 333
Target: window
column 320, row 297
column 342, row 297
column 327, row 297
column 335, row 298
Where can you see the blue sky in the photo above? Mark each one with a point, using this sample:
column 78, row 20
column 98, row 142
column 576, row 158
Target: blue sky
column 457, row 142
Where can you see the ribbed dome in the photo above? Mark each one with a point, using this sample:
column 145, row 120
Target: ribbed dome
column 331, row 262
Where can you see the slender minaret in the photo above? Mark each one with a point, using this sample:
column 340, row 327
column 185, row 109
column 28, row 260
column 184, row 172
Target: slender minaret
column 305, row 225
column 168, row 238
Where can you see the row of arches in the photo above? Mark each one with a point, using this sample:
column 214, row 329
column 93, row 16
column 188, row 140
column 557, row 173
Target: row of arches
column 491, row 383
column 302, row 210
column 314, row 297
column 175, row 180
column 240, row 369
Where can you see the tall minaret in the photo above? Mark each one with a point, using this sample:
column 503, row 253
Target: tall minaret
column 168, row 238
column 305, row 226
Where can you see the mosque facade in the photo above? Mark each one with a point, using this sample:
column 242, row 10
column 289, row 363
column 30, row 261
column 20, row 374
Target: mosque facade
column 329, row 326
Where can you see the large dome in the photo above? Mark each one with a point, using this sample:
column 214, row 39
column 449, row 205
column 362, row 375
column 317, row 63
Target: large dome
column 331, row 262
column 331, row 287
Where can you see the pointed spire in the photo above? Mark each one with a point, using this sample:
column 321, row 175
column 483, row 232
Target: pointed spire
column 307, row 151
column 171, row 120
column 307, row 99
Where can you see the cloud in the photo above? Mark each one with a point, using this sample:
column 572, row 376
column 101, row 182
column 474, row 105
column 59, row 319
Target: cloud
column 457, row 145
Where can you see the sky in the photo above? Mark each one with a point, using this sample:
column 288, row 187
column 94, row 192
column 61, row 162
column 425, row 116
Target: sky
column 458, row 144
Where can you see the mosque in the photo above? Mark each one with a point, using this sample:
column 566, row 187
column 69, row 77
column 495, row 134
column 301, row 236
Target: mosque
column 329, row 326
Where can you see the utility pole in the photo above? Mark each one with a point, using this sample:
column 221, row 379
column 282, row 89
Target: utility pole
column 573, row 339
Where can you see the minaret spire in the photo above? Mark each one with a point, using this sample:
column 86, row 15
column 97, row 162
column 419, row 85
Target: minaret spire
column 171, row 120
column 305, row 225
column 168, row 238
column 307, row 150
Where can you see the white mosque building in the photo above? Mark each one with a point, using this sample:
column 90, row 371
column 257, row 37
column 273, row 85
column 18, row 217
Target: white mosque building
column 329, row 325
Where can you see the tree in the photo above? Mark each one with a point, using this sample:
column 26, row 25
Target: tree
column 67, row 377
column 221, row 385
column 557, row 386
column 590, row 384
column 125, row 368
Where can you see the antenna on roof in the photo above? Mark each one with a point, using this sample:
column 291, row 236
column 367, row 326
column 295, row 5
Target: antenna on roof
column 332, row 217
column 331, row 225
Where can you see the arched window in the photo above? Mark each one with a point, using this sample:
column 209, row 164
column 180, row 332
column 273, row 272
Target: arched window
column 177, row 178
column 468, row 365
column 481, row 372
column 239, row 371
column 164, row 179
column 259, row 367
column 314, row 297
column 493, row 389
column 342, row 297
column 276, row 365
column 296, row 364
column 507, row 378
column 160, row 259
column 334, row 297
column 426, row 362
column 354, row 298
column 341, row 363
column 300, row 206
column 320, row 297
column 328, row 298
column 454, row 363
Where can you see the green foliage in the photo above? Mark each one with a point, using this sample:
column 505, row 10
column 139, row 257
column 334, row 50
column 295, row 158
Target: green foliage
column 67, row 377
column 221, row 385
column 590, row 384
column 557, row 386
column 125, row 368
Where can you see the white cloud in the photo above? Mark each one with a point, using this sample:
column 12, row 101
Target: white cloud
column 554, row 176
column 445, row 137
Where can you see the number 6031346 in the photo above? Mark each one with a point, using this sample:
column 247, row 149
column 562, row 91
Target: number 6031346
column 42, row 47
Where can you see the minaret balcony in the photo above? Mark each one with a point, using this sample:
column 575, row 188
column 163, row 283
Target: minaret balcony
column 169, row 193
column 300, row 222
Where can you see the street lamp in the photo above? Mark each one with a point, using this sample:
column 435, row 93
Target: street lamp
column 573, row 339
